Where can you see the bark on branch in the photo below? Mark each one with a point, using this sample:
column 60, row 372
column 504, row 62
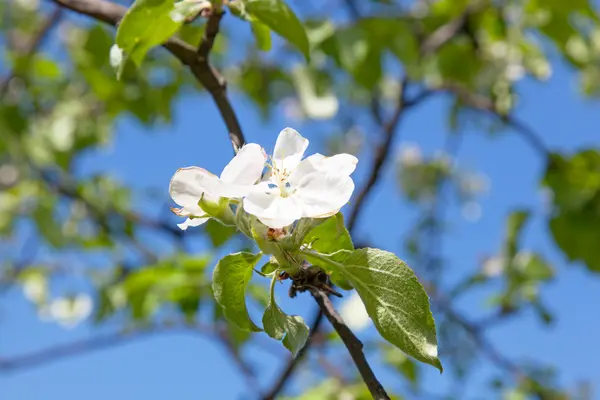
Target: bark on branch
column 196, row 60
column 352, row 343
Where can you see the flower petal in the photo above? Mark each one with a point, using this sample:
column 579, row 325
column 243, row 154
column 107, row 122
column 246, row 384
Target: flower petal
column 308, row 165
column 192, row 222
column 185, row 189
column 322, row 195
column 246, row 167
column 189, row 184
column 340, row 164
column 343, row 164
column 289, row 149
column 270, row 208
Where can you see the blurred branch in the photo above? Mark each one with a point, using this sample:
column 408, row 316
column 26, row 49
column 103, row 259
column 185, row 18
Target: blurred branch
column 68, row 189
column 352, row 343
column 486, row 105
column 114, row 339
column 33, row 45
column 86, row 346
column 208, row 76
column 445, row 33
column 477, row 334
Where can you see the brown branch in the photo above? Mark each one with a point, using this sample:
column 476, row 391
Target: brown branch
column 210, row 34
column 32, row 46
column 352, row 343
column 208, row 76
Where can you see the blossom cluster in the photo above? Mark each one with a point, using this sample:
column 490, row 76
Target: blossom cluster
column 277, row 190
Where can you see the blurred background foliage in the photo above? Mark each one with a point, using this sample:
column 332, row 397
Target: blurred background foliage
column 60, row 100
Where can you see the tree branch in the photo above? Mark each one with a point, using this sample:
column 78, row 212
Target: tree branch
column 352, row 343
column 84, row 346
column 114, row 339
column 486, row 105
column 33, row 46
column 208, row 76
column 68, row 189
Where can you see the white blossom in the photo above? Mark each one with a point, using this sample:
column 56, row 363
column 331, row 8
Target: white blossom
column 354, row 313
column 68, row 312
column 115, row 56
column 316, row 187
column 191, row 184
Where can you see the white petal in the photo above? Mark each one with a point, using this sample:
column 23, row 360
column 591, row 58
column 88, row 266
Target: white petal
column 289, row 149
column 322, row 195
column 343, row 164
column 188, row 185
column 270, row 208
column 340, row 164
column 192, row 222
column 246, row 167
column 308, row 165
column 185, row 189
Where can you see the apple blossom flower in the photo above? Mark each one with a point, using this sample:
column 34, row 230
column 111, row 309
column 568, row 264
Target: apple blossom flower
column 316, row 187
column 191, row 184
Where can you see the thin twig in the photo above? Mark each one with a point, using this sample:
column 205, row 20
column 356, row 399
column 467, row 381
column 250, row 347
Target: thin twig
column 208, row 76
column 85, row 346
column 352, row 343
column 114, row 339
column 32, row 46
column 486, row 105
column 69, row 189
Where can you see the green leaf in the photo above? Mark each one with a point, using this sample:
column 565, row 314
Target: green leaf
column 269, row 267
column 394, row 299
column 281, row 19
column 514, row 226
column 146, row 24
column 330, row 236
column 262, row 35
column 230, row 280
column 357, row 51
column 575, row 184
column 219, row 234
column 278, row 325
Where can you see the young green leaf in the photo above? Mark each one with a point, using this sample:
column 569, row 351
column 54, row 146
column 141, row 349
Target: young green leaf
column 330, row 236
column 219, row 234
column 278, row 325
column 393, row 297
column 262, row 35
column 230, row 280
column 281, row 19
column 149, row 23
column 336, row 275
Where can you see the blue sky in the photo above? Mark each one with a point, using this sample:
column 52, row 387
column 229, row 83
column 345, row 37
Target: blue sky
column 191, row 367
